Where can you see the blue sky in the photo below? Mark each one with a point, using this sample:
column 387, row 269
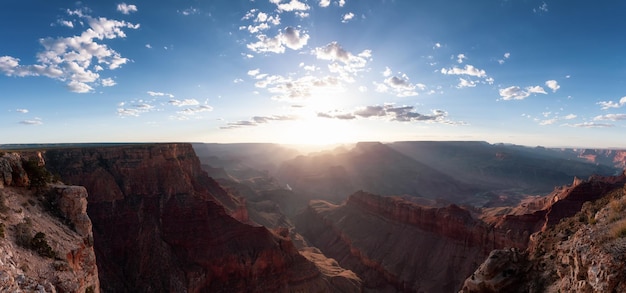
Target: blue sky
column 547, row 73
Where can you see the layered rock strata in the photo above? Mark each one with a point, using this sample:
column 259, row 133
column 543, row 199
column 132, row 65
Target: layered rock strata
column 158, row 227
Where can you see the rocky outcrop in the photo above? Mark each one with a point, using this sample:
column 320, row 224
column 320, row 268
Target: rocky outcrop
column 158, row 226
column 11, row 171
column 582, row 251
column 44, row 247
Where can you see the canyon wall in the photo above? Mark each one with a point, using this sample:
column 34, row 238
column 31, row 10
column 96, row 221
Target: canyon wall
column 46, row 241
column 159, row 226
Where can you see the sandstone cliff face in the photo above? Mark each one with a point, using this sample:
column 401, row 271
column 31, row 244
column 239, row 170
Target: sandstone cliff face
column 582, row 251
column 395, row 245
column 39, row 251
column 158, row 226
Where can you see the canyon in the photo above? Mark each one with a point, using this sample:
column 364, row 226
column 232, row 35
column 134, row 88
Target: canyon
column 396, row 217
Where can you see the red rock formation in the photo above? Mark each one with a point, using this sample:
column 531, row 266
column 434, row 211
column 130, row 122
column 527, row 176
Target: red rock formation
column 158, row 226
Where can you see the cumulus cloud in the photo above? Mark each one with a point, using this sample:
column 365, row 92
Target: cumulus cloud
column 389, row 112
column 341, row 3
column 467, row 70
column 65, row 23
column 345, row 64
column 553, row 85
column 347, row 17
column 290, row 37
column 398, row 84
column 24, row 111
column 183, row 103
column 257, row 120
column 35, row 121
column 610, row 117
column 261, row 21
column 126, row 8
column 541, row 9
column 466, row 83
column 77, row 59
column 106, row 82
column 604, row 104
column 324, row 3
column 516, row 93
column 293, row 5
column 290, row 89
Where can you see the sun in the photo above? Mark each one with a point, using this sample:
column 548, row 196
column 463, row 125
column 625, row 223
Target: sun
column 319, row 131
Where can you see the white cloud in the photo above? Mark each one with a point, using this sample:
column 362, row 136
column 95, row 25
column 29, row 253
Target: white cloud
column 24, row 111
column 351, row 64
column 148, row 46
column 257, row 120
column 506, row 56
column 570, row 117
column 75, row 60
column 466, row 83
column 610, row 117
column 159, row 94
column 437, row 45
column 324, row 3
column 553, row 85
column 542, row 8
column 347, row 17
column 387, row 72
column 460, row 58
column 126, row 9
column 79, row 87
column 293, row 5
column 389, row 112
column 183, row 103
column 604, row 104
column 35, row 121
column 590, row 125
column 401, row 85
column 536, row 90
column 65, row 23
column 108, row 82
column 516, row 93
column 467, row 70
column 342, row 3
column 254, row 72
column 195, row 110
column 290, row 37
column 189, row 11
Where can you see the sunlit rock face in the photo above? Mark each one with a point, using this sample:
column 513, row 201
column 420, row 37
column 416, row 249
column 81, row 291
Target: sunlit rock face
column 158, row 227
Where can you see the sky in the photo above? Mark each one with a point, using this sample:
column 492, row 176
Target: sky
column 536, row 73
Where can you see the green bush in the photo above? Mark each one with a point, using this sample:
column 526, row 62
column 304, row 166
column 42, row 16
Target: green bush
column 38, row 175
column 40, row 245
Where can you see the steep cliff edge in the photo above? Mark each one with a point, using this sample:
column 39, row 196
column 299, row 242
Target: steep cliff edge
column 581, row 247
column 158, row 226
column 45, row 233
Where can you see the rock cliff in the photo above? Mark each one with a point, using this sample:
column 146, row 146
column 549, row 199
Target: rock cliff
column 45, row 234
column 395, row 245
column 580, row 248
column 159, row 226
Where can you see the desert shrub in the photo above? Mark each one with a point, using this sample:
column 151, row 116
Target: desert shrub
column 23, row 234
column 619, row 229
column 3, row 206
column 40, row 245
column 37, row 174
